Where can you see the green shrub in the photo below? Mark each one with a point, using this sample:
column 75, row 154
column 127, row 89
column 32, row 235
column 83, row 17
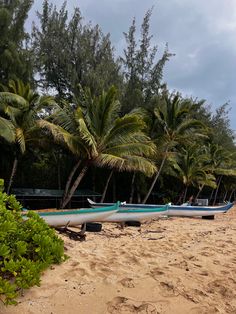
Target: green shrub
column 27, row 247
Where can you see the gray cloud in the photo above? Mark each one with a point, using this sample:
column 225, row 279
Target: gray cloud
column 201, row 34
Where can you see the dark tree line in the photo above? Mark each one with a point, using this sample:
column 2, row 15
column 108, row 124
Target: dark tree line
column 71, row 107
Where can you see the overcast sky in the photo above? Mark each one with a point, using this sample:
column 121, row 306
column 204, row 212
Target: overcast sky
column 201, row 33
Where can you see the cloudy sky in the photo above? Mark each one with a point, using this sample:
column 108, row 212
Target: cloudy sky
column 201, row 33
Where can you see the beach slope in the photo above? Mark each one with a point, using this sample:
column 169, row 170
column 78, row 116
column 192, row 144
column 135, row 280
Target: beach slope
column 174, row 265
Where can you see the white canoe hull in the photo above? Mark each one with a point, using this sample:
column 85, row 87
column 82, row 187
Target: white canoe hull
column 195, row 211
column 132, row 215
column 173, row 210
column 75, row 217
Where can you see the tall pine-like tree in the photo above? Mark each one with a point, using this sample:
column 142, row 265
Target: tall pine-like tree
column 15, row 57
column 143, row 72
column 70, row 53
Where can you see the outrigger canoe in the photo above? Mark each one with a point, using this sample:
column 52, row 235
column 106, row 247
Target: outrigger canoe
column 57, row 218
column 128, row 212
column 173, row 210
column 202, row 211
column 139, row 214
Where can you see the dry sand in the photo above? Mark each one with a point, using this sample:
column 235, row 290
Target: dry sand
column 175, row 265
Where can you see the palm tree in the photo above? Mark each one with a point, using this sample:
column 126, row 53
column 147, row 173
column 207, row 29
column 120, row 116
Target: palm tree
column 96, row 134
column 222, row 164
column 191, row 168
column 174, row 125
column 22, row 106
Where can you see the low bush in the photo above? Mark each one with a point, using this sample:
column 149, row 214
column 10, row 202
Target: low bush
column 27, row 247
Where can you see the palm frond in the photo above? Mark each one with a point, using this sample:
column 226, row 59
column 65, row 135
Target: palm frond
column 85, row 133
column 20, row 139
column 7, row 130
column 60, row 135
column 127, row 163
column 122, row 128
column 14, row 100
column 132, row 148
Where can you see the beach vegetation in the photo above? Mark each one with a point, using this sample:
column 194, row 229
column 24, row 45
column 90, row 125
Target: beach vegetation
column 27, row 247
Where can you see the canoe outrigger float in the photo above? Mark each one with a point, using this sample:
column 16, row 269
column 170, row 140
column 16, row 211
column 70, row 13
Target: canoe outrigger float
column 173, row 210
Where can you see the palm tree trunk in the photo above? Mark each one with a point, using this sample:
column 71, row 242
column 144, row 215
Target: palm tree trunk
column 185, row 193
column 138, row 198
column 211, row 196
column 226, row 193
column 132, row 189
column 199, row 191
column 68, row 183
column 180, row 198
column 114, row 190
column 231, row 194
column 217, row 189
column 57, row 162
column 74, row 186
column 155, row 178
column 213, row 190
column 59, row 175
column 13, row 172
column 94, row 182
column 106, row 186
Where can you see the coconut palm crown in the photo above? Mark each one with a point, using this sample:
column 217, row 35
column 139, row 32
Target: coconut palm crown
column 95, row 132
column 174, row 125
column 21, row 107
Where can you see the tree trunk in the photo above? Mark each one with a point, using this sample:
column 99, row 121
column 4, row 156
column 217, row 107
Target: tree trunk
column 74, row 186
column 155, row 178
column 68, row 183
column 132, row 189
column 138, row 198
column 59, row 175
column 13, row 172
column 180, row 198
column 106, row 186
column 231, row 194
column 213, row 190
column 211, row 196
column 226, row 193
column 217, row 189
column 94, row 183
column 199, row 191
column 114, row 190
column 185, row 193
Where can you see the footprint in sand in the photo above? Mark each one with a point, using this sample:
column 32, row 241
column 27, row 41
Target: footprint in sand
column 206, row 254
column 76, row 272
column 204, row 310
column 156, row 273
column 168, row 289
column 127, row 283
column 122, row 305
column 180, row 264
column 233, row 260
column 220, row 287
column 204, row 273
column 193, row 295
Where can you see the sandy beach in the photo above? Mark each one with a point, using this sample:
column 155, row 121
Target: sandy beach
column 174, row 265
